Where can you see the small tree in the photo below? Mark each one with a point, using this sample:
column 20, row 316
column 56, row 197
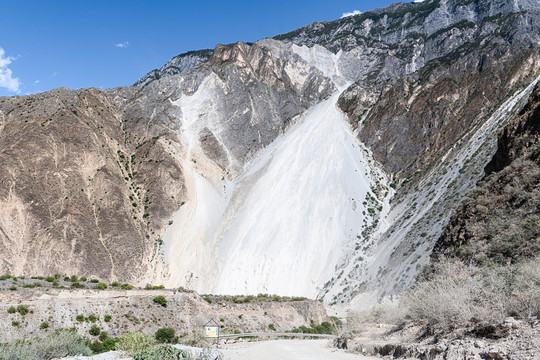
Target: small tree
column 166, row 335
column 160, row 300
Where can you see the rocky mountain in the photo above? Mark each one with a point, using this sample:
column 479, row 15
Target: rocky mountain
column 498, row 221
column 177, row 65
column 324, row 162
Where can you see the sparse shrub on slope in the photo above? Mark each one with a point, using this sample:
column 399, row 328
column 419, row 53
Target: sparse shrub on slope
column 160, row 300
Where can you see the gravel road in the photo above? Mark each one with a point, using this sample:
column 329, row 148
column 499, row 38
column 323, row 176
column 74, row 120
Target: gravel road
column 287, row 349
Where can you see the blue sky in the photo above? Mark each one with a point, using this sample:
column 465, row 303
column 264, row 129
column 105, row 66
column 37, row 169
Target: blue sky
column 77, row 44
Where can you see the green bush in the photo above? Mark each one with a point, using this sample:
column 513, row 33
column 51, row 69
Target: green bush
column 44, row 325
column 49, row 279
column 92, row 318
column 107, row 318
column 94, row 330
column 15, row 323
column 12, row 310
column 80, row 318
column 77, row 285
column 166, row 335
column 272, row 327
column 134, row 342
column 127, row 287
column 161, row 352
column 100, row 286
column 23, row 309
column 160, row 300
column 115, row 284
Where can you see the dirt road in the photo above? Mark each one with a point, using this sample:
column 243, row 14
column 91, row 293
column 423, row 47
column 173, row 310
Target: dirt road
column 287, row 349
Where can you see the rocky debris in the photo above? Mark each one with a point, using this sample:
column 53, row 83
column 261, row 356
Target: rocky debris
column 521, row 342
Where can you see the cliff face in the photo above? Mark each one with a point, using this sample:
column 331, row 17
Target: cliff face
column 80, row 193
column 499, row 220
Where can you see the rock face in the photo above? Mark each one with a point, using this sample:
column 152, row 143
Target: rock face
column 498, row 220
column 177, row 65
column 325, row 161
column 80, row 191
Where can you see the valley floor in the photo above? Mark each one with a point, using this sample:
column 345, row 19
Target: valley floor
column 287, row 349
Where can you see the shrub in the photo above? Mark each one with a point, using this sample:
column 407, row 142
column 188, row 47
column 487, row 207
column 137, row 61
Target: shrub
column 127, row 287
column 80, row 318
column 97, row 347
column 49, row 279
column 83, row 279
column 77, row 285
column 153, row 287
column 92, row 318
column 100, row 286
column 15, row 323
column 94, row 281
column 134, row 342
column 12, row 288
column 272, row 327
column 59, row 345
column 160, row 300
column 12, row 310
column 195, row 339
column 165, row 335
column 161, row 352
column 94, row 330
column 44, row 325
column 107, row 318
column 115, row 284
column 23, row 309
column 103, row 335
column 458, row 295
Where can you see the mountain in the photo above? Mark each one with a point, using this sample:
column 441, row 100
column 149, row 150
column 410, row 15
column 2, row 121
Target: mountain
column 324, row 162
column 497, row 223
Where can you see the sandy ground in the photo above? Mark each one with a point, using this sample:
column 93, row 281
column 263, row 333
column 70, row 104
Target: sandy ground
column 287, row 349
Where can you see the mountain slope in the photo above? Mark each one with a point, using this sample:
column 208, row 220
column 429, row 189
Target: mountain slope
column 324, row 162
column 498, row 220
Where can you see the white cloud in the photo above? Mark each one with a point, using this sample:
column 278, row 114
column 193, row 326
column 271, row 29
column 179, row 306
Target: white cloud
column 122, row 45
column 418, row 1
column 36, row 82
column 352, row 13
column 6, row 75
